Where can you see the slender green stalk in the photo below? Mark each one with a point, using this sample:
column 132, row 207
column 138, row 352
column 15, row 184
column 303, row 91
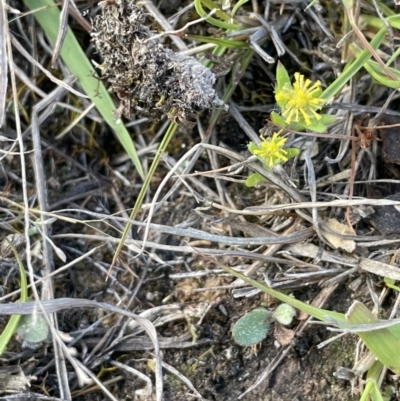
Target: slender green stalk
column 139, row 201
column 218, row 51
column 376, row 72
column 237, row 72
column 393, row 20
column 12, row 324
column 221, row 14
column 318, row 313
column 238, row 5
column 227, row 43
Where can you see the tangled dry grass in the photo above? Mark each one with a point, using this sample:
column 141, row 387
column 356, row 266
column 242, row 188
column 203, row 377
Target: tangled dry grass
column 323, row 227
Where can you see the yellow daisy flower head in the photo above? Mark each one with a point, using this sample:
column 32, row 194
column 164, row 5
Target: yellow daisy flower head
column 271, row 151
column 300, row 101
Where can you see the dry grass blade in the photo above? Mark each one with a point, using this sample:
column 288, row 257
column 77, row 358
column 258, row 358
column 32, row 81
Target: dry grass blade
column 274, row 209
column 47, row 288
column 137, row 373
column 55, row 305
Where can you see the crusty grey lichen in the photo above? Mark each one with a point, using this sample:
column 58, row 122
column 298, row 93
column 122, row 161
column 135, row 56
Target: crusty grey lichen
column 147, row 77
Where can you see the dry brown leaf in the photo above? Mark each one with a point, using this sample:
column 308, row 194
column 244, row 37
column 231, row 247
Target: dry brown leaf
column 335, row 240
column 283, row 335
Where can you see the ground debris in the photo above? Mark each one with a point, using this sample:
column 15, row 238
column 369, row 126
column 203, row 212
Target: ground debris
column 149, row 78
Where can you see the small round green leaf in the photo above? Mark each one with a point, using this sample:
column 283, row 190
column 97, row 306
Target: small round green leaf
column 282, row 77
column 254, row 179
column 252, row 328
column 284, row 314
column 33, row 328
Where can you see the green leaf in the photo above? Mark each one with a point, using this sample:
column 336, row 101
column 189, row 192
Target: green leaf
column 390, row 282
column 376, row 71
column 228, row 43
column 348, row 3
column 237, row 6
column 254, row 179
column 284, row 314
column 278, row 120
column 12, row 324
column 319, row 126
column 376, row 22
column 352, row 68
column 33, row 329
column 252, row 147
column 74, row 57
column 380, row 342
column 327, row 119
column 311, row 4
column 282, row 78
column 316, row 126
column 371, row 389
column 252, row 328
column 292, row 152
column 220, row 23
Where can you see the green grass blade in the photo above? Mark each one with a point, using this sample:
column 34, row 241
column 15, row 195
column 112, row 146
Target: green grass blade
column 380, row 76
column 354, row 67
column 371, row 389
column 380, row 342
column 12, row 324
column 79, row 65
column 139, row 201
column 378, row 73
column 226, row 43
column 321, row 314
column 220, row 23
column 237, row 6
column 376, row 22
column 221, row 14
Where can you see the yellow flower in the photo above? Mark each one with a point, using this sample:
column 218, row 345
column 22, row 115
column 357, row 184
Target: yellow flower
column 300, row 100
column 270, row 150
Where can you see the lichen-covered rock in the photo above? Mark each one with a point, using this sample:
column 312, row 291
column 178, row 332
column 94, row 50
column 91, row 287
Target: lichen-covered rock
column 147, row 77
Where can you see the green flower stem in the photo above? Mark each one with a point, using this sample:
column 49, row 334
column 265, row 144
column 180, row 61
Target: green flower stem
column 353, row 68
column 12, row 324
column 219, row 41
column 139, row 201
column 237, row 72
column 238, row 5
column 221, row 14
column 218, row 51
